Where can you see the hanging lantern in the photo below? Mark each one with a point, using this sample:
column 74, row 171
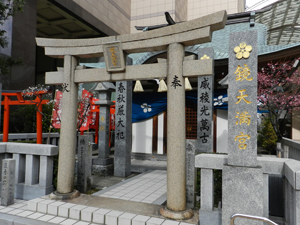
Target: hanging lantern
column 188, row 86
column 138, row 86
column 162, row 86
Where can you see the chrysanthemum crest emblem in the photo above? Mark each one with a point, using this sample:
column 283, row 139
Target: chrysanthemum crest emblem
column 243, row 50
column 146, row 108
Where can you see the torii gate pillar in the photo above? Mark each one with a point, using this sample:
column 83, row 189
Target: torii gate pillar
column 176, row 188
column 67, row 144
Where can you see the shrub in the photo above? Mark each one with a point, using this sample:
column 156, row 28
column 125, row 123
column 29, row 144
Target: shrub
column 267, row 137
column 23, row 119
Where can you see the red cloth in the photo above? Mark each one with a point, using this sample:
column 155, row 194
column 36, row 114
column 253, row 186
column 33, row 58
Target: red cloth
column 56, row 115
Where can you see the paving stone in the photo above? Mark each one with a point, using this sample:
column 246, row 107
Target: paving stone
column 182, row 223
column 87, row 214
column 57, row 220
column 25, row 213
column 7, row 209
column 125, row 218
column 32, row 204
column 170, row 222
column 35, row 215
column 82, row 223
column 20, row 201
column 140, row 220
column 18, row 205
column 53, row 208
column 63, row 210
column 15, row 212
column 155, row 221
column 125, row 198
column 26, row 221
column 68, row 222
column 111, row 218
column 76, row 211
column 24, row 208
column 42, row 206
column 99, row 215
column 7, row 219
column 46, row 218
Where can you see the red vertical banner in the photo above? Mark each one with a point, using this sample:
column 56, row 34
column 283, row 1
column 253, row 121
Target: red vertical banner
column 94, row 115
column 56, row 115
column 85, row 115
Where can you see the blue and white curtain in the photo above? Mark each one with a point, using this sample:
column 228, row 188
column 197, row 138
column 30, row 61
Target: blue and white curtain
column 146, row 105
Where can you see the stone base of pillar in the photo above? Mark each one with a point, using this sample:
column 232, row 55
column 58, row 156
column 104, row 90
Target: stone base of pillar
column 103, row 170
column 58, row 196
column 213, row 217
column 242, row 192
column 181, row 215
column 103, row 161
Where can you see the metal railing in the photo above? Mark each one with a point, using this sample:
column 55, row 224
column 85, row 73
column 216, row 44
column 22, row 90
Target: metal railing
column 233, row 217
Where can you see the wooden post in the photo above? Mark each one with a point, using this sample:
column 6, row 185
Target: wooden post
column 6, row 119
column 39, row 119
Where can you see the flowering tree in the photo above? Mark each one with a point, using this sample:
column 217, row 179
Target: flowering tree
column 279, row 90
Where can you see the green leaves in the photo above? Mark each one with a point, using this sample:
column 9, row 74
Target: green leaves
column 267, row 137
column 8, row 8
column 6, row 63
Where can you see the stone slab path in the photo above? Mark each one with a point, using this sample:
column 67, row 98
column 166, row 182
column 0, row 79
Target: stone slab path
column 42, row 211
column 107, row 207
column 150, row 187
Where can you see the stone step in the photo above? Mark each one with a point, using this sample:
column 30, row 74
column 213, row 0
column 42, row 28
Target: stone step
column 68, row 213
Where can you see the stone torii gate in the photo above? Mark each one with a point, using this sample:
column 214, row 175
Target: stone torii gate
column 173, row 39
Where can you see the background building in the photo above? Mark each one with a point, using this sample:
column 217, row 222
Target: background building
column 88, row 19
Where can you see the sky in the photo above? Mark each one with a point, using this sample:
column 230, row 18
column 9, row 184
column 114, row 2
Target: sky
column 250, row 3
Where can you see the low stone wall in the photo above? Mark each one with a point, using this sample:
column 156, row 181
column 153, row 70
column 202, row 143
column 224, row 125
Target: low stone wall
column 289, row 149
column 289, row 168
column 34, row 168
column 53, row 137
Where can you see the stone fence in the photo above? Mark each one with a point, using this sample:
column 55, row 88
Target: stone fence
column 288, row 148
column 53, row 137
column 288, row 168
column 34, row 168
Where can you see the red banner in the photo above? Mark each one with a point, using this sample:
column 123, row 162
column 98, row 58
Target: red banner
column 56, row 115
column 94, row 114
column 85, row 115
column 88, row 115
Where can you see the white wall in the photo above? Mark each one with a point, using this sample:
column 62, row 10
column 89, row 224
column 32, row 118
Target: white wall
column 142, row 136
column 222, row 131
column 160, row 135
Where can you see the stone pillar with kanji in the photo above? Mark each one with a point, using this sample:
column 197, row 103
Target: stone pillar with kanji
column 242, row 181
